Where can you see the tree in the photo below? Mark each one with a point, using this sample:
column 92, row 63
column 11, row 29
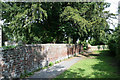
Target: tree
column 86, row 19
column 55, row 22
column 114, row 42
column 24, row 19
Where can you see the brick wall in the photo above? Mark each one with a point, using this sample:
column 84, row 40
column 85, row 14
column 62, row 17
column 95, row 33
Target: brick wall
column 14, row 62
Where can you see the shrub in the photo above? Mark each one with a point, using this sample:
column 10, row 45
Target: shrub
column 81, row 52
column 118, row 53
column 56, row 62
column 98, row 47
column 85, row 45
column 85, row 48
column 8, row 47
column 51, row 63
column 112, row 47
column 114, row 43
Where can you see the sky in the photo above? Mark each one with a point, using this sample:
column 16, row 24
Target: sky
column 113, row 9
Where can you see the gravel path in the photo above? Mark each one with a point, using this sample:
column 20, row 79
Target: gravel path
column 57, row 69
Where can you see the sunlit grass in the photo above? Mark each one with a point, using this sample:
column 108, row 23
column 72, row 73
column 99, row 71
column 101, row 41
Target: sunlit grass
column 92, row 68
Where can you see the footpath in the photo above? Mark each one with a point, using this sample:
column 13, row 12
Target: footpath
column 56, row 69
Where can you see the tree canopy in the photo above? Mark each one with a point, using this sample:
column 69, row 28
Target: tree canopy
column 58, row 22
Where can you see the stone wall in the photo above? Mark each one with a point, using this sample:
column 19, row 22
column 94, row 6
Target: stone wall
column 17, row 61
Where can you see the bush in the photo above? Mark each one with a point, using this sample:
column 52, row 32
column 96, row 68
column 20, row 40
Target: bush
column 118, row 53
column 114, row 44
column 8, row 47
column 98, row 47
column 85, row 45
column 112, row 47
column 56, row 62
column 51, row 63
column 85, row 48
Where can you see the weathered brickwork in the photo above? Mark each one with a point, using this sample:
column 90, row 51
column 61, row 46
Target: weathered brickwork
column 17, row 61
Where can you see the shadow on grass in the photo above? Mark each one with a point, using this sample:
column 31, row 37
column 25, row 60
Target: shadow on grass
column 107, row 66
column 94, row 54
column 103, row 66
column 72, row 74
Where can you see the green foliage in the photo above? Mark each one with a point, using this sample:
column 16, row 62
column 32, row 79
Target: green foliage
column 118, row 40
column 27, row 74
column 56, row 62
column 45, row 67
column 98, row 47
column 92, row 42
column 112, row 46
column 24, row 25
column 84, row 48
column 51, row 64
column 81, row 52
column 54, row 22
column 114, row 41
column 8, row 47
column 85, row 45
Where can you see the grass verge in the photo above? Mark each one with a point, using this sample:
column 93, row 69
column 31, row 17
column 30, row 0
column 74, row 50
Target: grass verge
column 98, row 67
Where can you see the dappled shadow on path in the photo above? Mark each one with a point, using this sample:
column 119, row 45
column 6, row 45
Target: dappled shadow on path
column 49, row 73
column 72, row 74
column 56, row 69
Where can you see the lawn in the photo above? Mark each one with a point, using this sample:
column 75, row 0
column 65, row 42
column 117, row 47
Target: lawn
column 99, row 67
